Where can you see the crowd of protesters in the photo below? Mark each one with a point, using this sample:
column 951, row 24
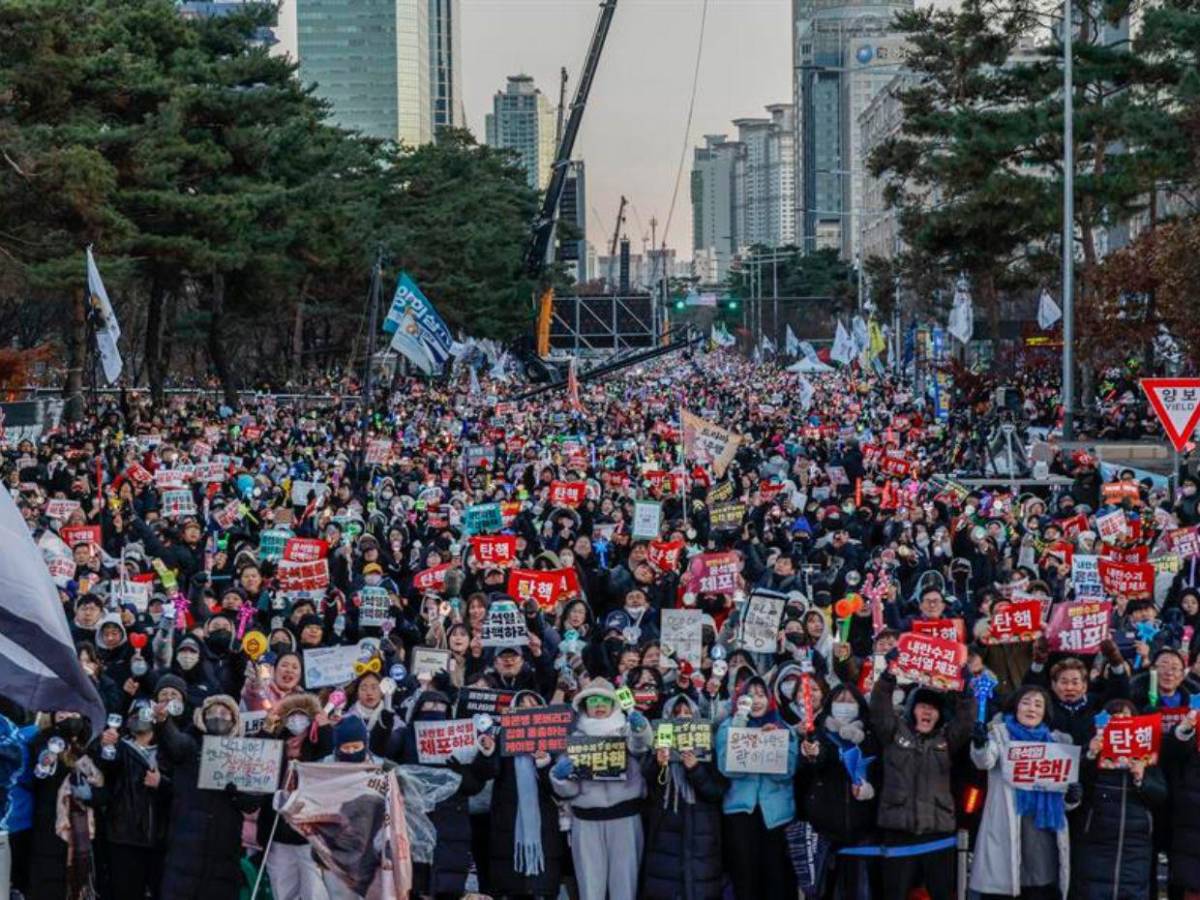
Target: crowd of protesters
column 164, row 531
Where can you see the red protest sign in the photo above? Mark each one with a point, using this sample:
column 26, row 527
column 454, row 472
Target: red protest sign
column 894, row 466
column 714, row 573
column 665, row 482
column 1015, row 622
column 304, row 576
column 567, row 582
column 769, row 490
column 568, row 493
column 1116, row 492
column 1072, row 526
column 1133, row 581
column 1128, row 738
column 304, row 549
column 73, row 535
column 1079, row 627
column 1132, row 555
column 431, row 579
column 932, row 661
column 494, row 549
column 541, row 730
column 664, row 555
column 1184, row 541
column 946, row 629
column 1176, row 402
column 138, row 474
column 524, row 584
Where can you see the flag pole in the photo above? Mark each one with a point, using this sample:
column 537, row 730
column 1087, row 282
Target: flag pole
column 369, row 376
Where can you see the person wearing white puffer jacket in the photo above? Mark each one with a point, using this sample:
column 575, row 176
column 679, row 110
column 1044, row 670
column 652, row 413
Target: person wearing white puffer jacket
column 606, row 828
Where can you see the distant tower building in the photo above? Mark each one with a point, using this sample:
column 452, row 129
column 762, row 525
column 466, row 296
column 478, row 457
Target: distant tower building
column 769, row 177
column 718, row 203
column 371, row 60
column 572, row 210
column 522, row 119
column 445, row 62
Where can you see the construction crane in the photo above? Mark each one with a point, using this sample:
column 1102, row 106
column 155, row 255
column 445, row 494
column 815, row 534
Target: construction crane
column 562, row 106
column 537, row 256
column 615, row 244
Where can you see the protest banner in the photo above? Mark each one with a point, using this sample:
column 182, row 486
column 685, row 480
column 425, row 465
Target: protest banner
column 428, row 661
column 568, row 493
column 252, row 722
column 374, row 606
column 303, row 576
column 301, row 490
column 932, row 661
column 540, row 730
column 566, row 583
column 135, row 592
column 727, row 516
column 504, row 626
column 597, row 758
column 1117, row 492
column 682, row 631
column 1112, row 527
column 178, row 503
column 664, row 555
column 272, row 542
column 167, row 479
column 837, row 475
column 721, row 493
column 431, row 579
column 1085, row 577
column 681, row 735
column 946, row 629
column 299, row 549
column 329, row 666
column 714, row 573
column 1015, row 622
column 472, row 700
column 74, row 535
column 61, row 509
column 1079, row 626
column 664, row 482
column 494, row 550
column 1185, row 541
column 436, row 741
column 250, row 763
column 895, row 466
column 708, row 444
column 228, row 515
column 475, row 455
column 1132, row 581
column 208, row 472
column 757, row 751
column 526, row 584
column 1131, row 555
column 760, row 622
column 1128, row 738
column 1072, row 526
column 482, row 518
column 138, row 474
column 379, row 450
column 1041, row 766
column 647, row 520
column 353, row 817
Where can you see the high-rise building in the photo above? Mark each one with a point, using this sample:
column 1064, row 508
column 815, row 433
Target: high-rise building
column 572, row 211
column 445, row 63
column 370, row 59
column 522, row 119
column 718, row 203
column 769, row 177
column 831, row 41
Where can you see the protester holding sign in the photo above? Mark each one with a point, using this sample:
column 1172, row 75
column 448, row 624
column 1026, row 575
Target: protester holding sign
column 606, row 831
column 1023, row 846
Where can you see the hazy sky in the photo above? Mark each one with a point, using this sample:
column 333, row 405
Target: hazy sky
column 633, row 128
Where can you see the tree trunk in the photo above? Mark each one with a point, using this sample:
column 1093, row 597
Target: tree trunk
column 155, row 370
column 218, row 352
column 76, row 358
column 297, row 349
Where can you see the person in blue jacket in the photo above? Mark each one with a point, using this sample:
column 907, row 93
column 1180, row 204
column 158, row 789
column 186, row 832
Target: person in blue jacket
column 758, row 807
column 16, row 803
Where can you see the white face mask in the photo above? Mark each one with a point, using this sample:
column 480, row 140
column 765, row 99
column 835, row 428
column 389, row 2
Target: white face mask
column 298, row 724
column 187, row 661
column 844, row 712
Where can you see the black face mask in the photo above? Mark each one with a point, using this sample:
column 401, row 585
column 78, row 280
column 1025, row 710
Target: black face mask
column 280, row 647
column 72, row 729
column 360, row 756
column 217, row 725
column 219, row 641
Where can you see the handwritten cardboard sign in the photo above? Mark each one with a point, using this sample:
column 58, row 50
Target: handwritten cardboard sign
column 756, row 751
column 250, row 763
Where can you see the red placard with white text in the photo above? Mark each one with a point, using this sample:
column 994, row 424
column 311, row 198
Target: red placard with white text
column 1015, row 622
column 1127, row 738
column 664, row 555
column 1079, row 626
column 932, row 661
column 494, row 549
column 946, row 629
column 568, row 493
column 304, row 549
column 431, row 579
column 1130, row 580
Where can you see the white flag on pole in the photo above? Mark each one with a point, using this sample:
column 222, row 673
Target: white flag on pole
column 807, row 391
column 962, row 316
column 843, row 346
column 108, row 329
column 791, row 343
column 1048, row 311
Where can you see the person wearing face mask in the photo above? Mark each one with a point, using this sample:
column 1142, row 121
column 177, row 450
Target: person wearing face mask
column 1187, row 510
column 1023, row 847
column 204, row 845
column 192, row 665
column 916, row 804
column 840, row 806
column 229, row 663
column 297, row 719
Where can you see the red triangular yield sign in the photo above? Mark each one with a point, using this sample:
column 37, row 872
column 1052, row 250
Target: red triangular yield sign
column 1176, row 402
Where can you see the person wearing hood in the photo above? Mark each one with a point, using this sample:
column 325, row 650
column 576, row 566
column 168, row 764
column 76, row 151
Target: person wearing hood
column 229, row 662
column 139, row 805
column 114, row 651
column 446, row 875
column 204, row 847
column 89, row 610
column 1023, row 845
column 840, row 805
column 526, row 849
column 606, row 831
column 916, row 804
column 758, row 807
column 682, row 859
column 193, row 666
column 298, row 720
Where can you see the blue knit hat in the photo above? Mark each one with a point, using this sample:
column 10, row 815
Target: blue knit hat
column 349, row 730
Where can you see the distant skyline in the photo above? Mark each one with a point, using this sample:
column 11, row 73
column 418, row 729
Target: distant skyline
column 633, row 128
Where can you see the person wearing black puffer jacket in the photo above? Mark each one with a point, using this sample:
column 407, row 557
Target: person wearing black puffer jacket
column 682, row 856
column 840, row 808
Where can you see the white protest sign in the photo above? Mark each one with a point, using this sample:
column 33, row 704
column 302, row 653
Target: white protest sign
column 300, row 491
column 250, row 763
column 137, row 593
column 179, row 503
column 1038, row 765
column 647, row 520
column 374, row 606
column 1112, row 527
column 327, row 666
column 504, row 626
column 682, row 630
column 757, row 751
column 760, row 622
column 1085, row 576
column 429, row 660
column 252, row 722
column 61, row 509
column 437, row 740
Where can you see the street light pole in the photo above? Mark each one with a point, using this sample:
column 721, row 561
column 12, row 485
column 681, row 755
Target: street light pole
column 1068, row 234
